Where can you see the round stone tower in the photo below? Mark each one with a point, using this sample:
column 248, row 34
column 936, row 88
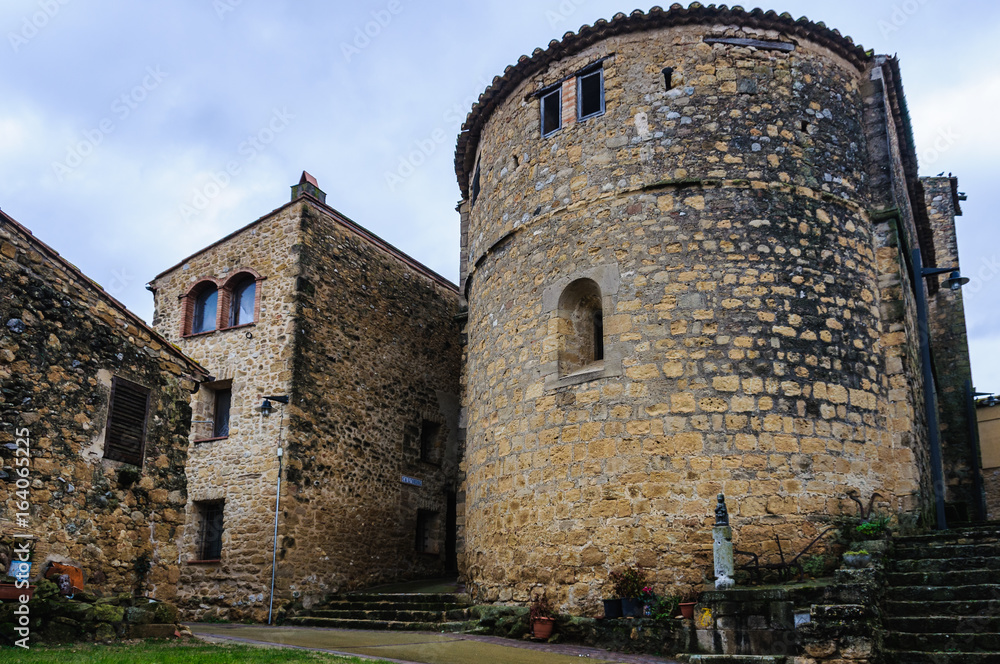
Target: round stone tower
column 672, row 289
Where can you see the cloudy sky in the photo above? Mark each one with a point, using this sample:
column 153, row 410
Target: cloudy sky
column 134, row 133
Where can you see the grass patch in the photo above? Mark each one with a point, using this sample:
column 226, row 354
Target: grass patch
column 175, row 652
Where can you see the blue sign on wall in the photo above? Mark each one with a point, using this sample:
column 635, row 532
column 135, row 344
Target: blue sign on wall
column 413, row 481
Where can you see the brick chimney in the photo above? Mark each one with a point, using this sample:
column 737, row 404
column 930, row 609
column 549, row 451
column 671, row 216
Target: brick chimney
column 308, row 185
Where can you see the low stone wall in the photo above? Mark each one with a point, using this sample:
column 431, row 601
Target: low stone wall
column 90, row 617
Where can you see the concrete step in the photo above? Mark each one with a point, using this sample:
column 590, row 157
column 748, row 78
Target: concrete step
column 945, row 564
column 396, row 625
column 737, row 659
column 958, row 578
column 914, row 657
column 921, row 552
column 406, row 598
column 965, row 607
column 346, row 605
column 965, row 624
column 391, row 615
column 944, row 593
column 944, row 642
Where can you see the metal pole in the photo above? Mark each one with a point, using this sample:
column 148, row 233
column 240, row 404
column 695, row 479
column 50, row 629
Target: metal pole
column 277, row 505
column 930, row 392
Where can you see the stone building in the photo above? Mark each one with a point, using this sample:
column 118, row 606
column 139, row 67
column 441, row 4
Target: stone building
column 688, row 256
column 362, row 340
column 988, row 417
column 95, row 410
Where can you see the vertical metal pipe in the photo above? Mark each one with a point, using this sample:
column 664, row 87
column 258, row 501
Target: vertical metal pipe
column 930, row 392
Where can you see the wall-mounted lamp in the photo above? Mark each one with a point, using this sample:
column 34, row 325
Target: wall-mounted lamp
column 954, row 281
column 267, row 407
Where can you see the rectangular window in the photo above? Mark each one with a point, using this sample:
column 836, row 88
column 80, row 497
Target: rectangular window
column 223, row 398
column 430, row 434
column 590, row 94
column 426, row 536
column 128, row 411
column 475, row 185
column 210, row 527
column 551, row 111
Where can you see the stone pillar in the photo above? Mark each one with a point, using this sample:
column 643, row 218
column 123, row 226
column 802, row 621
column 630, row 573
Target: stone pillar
column 722, row 547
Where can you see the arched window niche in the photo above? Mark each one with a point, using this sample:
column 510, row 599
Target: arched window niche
column 243, row 300
column 204, row 313
column 581, row 327
column 577, row 349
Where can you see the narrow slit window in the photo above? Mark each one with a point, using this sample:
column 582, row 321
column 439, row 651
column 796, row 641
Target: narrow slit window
column 475, row 184
column 210, row 537
column 551, row 112
column 223, row 399
column 590, row 93
column 668, row 77
column 598, row 335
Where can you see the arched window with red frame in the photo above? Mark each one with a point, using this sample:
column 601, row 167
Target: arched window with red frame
column 206, row 305
column 243, row 300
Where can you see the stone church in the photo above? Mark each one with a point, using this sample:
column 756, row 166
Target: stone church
column 696, row 258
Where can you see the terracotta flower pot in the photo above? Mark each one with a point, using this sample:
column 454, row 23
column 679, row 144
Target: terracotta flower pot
column 11, row 591
column 541, row 628
column 687, row 610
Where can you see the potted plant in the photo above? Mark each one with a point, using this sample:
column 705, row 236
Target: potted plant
column 628, row 584
column 613, row 607
column 541, row 617
column 687, row 607
column 857, row 559
column 664, row 607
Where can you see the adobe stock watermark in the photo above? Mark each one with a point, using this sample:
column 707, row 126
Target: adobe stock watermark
column 945, row 139
column 223, row 7
column 248, row 149
column 120, row 280
column 35, row 23
column 562, row 13
column 408, row 163
column 363, row 35
column 122, row 107
column 988, row 270
column 20, row 567
column 901, row 13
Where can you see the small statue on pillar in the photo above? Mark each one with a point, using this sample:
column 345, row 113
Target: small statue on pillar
column 721, row 513
column 722, row 547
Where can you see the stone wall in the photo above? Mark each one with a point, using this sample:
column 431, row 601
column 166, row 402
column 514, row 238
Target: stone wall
column 63, row 341
column 240, row 469
column 950, row 348
column 378, row 358
column 726, row 220
column 362, row 339
column 989, row 440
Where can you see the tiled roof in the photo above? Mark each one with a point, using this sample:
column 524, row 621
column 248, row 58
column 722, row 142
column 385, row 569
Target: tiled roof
column 637, row 21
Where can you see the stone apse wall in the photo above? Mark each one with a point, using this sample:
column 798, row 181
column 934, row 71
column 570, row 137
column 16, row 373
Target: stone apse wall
column 63, row 341
column 362, row 340
column 726, row 221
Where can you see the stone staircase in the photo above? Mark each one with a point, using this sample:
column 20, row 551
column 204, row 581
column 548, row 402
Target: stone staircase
column 437, row 612
column 943, row 601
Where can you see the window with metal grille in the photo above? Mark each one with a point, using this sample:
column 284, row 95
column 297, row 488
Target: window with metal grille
column 128, row 411
column 210, row 538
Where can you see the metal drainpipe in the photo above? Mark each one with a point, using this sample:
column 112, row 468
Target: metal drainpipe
column 930, row 393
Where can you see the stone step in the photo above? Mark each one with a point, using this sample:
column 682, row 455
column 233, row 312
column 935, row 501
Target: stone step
column 956, row 578
column 913, row 657
column 963, row 607
column 737, row 659
column 959, row 535
column 944, row 624
column 920, row 552
column 406, row 598
column 944, row 642
column 394, row 625
column 373, row 612
column 944, row 593
column 345, row 605
column 945, row 564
